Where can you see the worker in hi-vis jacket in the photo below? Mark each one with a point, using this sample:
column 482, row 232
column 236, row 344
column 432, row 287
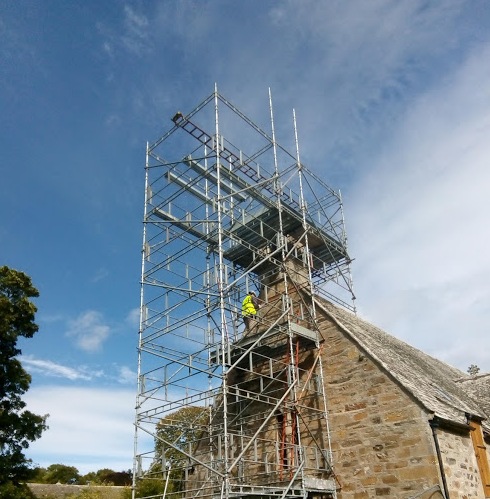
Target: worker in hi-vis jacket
column 250, row 306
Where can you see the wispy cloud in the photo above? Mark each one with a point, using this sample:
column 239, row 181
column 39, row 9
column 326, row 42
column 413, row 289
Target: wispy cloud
column 121, row 374
column 49, row 368
column 133, row 35
column 17, row 52
column 362, row 70
column 104, row 429
column 89, row 331
column 417, row 220
column 126, row 375
column 133, row 318
column 113, row 121
column 100, row 274
column 135, row 38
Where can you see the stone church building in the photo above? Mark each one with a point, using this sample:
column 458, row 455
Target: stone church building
column 401, row 421
column 304, row 400
column 402, row 424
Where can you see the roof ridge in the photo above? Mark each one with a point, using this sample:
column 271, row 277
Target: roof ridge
column 432, row 382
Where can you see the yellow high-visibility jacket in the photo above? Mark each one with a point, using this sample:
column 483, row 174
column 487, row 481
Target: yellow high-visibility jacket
column 248, row 306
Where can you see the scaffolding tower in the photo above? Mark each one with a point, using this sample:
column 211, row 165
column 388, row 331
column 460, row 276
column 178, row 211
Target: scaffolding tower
column 223, row 411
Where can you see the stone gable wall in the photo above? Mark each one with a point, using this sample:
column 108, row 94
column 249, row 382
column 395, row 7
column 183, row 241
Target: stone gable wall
column 381, row 440
column 382, row 443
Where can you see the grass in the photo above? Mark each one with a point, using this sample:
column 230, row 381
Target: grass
column 58, row 491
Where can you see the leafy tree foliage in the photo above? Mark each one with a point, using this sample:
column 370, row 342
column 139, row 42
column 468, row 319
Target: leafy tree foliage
column 61, row 473
column 177, row 434
column 9, row 490
column 18, row 426
column 37, row 475
column 146, row 488
column 70, row 475
column 107, row 476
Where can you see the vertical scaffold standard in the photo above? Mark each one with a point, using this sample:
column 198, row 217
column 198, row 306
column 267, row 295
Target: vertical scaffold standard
column 222, row 410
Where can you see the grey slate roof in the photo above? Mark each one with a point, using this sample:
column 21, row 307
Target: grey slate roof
column 479, row 388
column 442, row 389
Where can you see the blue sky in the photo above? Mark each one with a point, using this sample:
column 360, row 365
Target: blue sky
column 392, row 100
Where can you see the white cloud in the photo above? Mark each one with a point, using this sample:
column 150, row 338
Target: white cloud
column 133, row 317
column 89, row 428
column 126, row 375
column 113, row 121
column 108, row 49
column 89, row 331
column 121, row 374
column 133, row 36
column 135, row 39
column 100, row 274
column 419, row 222
column 49, row 368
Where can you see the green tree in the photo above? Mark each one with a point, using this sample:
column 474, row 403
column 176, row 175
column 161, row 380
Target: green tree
column 177, row 435
column 37, row 475
column 111, row 477
column 107, row 476
column 18, row 426
column 61, row 473
column 90, row 478
column 10, row 490
column 146, row 488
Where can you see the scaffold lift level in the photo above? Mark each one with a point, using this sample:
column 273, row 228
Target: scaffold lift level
column 222, row 410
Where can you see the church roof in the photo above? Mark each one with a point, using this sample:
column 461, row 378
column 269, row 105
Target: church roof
column 478, row 387
column 442, row 389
